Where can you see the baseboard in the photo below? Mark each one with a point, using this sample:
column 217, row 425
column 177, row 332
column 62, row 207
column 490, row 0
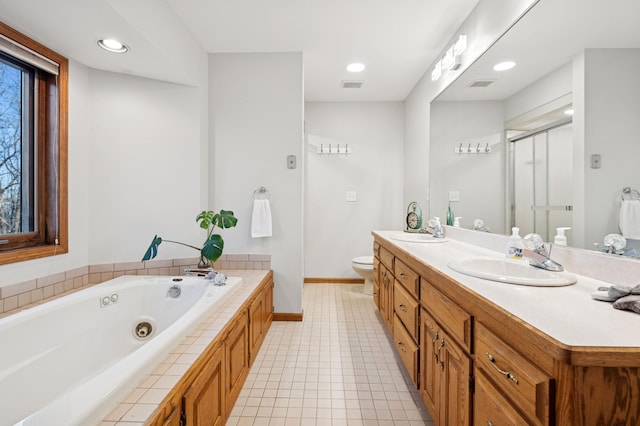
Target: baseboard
column 334, row 280
column 288, row 317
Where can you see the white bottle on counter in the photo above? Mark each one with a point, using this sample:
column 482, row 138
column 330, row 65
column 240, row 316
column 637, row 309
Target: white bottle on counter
column 514, row 241
column 560, row 239
column 456, row 221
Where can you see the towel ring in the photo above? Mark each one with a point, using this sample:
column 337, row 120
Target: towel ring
column 631, row 193
column 261, row 193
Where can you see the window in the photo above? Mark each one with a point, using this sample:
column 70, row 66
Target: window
column 33, row 149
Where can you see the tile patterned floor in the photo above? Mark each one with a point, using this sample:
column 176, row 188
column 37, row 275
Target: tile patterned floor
column 337, row 367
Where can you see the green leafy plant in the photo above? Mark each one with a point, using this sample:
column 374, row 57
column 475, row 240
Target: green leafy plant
column 213, row 245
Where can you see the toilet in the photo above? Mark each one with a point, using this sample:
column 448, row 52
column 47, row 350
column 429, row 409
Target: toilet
column 363, row 265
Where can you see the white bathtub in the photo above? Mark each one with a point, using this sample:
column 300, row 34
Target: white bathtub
column 67, row 362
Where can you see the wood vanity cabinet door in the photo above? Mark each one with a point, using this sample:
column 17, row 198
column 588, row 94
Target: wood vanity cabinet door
column 256, row 324
column 204, row 401
column 237, row 358
column 446, row 373
column 376, row 282
column 173, row 419
column 491, row 408
column 386, row 296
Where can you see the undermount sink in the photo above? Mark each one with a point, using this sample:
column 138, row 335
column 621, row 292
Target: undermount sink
column 417, row 238
column 512, row 272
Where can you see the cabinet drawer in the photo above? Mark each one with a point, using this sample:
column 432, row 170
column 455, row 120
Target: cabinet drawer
column 407, row 349
column 406, row 307
column 453, row 318
column 515, row 375
column 491, row 408
column 407, row 277
column 386, row 257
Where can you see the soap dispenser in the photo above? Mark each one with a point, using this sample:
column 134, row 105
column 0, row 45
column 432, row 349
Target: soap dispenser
column 515, row 241
column 560, row 239
column 456, row 221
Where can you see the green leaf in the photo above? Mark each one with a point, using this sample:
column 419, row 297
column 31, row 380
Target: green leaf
column 206, row 218
column 212, row 248
column 225, row 219
column 152, row 251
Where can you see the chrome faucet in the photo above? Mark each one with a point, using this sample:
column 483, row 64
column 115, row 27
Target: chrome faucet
column 537, row 252
column 434, row 227
column 217, row 278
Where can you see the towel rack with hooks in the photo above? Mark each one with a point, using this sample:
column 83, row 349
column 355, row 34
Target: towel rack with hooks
column 261, row 193
column 630, row 194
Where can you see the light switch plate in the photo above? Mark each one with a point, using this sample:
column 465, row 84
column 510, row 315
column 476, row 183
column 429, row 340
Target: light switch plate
column 352, row 196
column 454, row 195
column 291, row 161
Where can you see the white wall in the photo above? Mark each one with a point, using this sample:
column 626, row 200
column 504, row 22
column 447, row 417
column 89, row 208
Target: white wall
column 479, row 178
column 256, row 121
column 336, row 230
column 144, row 167
column 612, row 102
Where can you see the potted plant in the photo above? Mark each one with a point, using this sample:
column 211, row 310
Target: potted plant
column 212, row 248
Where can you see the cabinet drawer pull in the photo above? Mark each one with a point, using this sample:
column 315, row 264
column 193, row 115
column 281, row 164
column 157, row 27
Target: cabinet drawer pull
column 402, row 275
column 509, row 375
column 435, row 337
column 402, row 307
column 489, row 423
column 402, row 348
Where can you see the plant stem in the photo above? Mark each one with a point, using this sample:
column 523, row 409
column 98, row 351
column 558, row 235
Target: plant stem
column 182, row 244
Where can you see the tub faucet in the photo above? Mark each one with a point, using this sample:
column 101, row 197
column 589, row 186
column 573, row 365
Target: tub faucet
column 537, row 253
column 217, row 278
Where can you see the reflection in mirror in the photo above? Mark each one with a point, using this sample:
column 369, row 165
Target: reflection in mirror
column 545, row 169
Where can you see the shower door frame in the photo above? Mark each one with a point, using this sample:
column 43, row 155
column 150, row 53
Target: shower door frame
column 511, row 189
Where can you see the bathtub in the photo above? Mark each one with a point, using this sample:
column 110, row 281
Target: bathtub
column 69, row 361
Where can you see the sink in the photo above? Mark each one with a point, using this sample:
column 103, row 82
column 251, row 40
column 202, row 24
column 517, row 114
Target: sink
column 417, row 238
column 512, row 272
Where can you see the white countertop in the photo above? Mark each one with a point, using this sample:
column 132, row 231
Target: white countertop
column 567, row 314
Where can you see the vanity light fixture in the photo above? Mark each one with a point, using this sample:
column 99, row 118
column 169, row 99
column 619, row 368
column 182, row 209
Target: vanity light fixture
column 451, row 60
column 113, row 45
column 355, row 67
column 569, row 111
column 503, row 66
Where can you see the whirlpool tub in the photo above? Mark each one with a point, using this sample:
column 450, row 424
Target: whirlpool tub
column 68, row 361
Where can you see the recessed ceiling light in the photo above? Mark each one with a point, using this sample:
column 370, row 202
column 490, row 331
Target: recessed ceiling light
column 569, row 111
column 503, row 66
column 355, row 67
column 113, row 45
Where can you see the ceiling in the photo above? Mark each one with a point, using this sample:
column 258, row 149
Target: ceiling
column 547, row 37
column 396, row 40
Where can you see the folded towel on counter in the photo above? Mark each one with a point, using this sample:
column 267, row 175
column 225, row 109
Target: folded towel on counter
column 261, row 219
column 630, row 219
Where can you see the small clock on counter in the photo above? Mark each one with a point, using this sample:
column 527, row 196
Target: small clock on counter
column 414, row 217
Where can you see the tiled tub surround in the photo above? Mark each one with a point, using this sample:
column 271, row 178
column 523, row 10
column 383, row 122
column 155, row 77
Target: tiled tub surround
column 22, row 295
column 91, row 345
column 140, row 405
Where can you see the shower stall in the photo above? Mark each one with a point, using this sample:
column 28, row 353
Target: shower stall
column 541, row 179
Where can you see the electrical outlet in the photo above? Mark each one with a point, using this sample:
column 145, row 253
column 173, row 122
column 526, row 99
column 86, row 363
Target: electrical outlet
column 454, row 195
column 352, row 196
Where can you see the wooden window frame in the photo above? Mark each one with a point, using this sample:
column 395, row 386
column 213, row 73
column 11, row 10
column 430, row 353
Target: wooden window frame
column 51, row 127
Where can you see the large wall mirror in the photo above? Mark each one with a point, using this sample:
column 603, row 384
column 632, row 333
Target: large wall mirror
column 553, row 141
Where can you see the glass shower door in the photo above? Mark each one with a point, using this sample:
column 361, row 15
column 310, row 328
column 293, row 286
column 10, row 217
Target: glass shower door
column 542, row 180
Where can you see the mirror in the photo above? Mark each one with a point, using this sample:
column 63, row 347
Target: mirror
column 569, row 54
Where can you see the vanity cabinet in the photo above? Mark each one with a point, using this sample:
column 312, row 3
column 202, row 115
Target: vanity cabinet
column 207, row 392
column 480, row 364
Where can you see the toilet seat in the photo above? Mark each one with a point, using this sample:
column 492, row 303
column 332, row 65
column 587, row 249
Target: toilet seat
column 363, row 260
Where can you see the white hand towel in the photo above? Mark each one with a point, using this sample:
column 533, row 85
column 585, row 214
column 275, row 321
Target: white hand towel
column 630, row 219
column 261, row 219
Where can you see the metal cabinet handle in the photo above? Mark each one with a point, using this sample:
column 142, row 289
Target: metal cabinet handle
column 402, row 307
column 402, row 348
column 435, row 337
column 509, row 375
column 489, row 422
column 440, row 347
column 402, row 275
